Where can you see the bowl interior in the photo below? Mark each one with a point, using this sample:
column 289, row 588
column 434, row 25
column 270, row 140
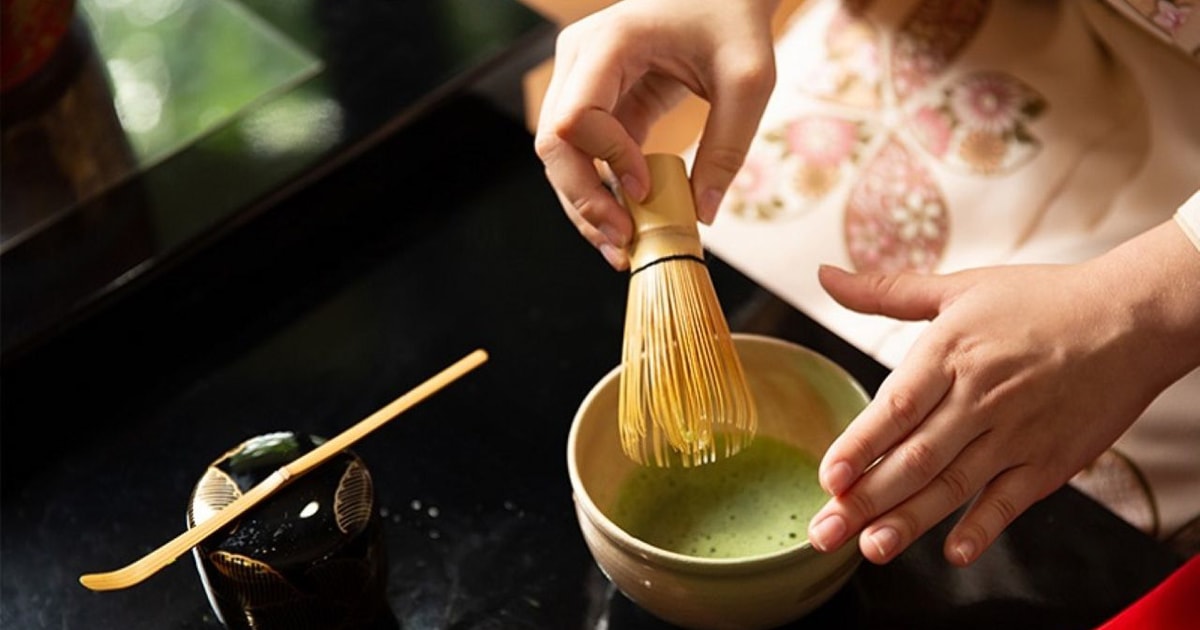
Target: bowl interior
column 803, row 399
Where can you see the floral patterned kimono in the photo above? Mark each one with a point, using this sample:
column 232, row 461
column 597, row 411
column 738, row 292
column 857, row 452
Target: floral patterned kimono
column 936, row 135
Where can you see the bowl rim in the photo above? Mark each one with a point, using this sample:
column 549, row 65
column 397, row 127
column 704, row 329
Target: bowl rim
column 695, row 564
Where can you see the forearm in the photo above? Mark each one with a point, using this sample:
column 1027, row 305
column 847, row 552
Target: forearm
column 1154, row 281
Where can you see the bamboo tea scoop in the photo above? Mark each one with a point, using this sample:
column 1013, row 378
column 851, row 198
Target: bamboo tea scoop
column 149, row 564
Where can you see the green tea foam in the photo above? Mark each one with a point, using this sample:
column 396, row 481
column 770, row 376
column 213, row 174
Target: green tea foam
column 757, row 502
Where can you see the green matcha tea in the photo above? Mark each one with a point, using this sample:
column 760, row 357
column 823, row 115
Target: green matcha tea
column 757, row 502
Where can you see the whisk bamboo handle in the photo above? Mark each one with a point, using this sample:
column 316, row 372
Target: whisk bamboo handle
column 665, row 222
column 150, row 564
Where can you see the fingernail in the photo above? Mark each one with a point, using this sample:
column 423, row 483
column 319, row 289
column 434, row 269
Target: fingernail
column 838, row 478
column 614, row 256
column 612, row 235
column 965, row 550
column 827, row 533
column 633, row 188
column 710, row 201
column 885, row 540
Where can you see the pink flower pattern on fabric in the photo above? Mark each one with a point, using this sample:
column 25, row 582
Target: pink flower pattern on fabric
column 977, row 124
column 896, row 219
column 752, row 193
column 821, row 140
column 885, row 109
column 1168, row 16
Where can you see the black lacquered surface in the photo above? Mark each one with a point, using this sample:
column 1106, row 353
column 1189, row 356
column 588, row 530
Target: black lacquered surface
column 161, row 126
column 443, row 239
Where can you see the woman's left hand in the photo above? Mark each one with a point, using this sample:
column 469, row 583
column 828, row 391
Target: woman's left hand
column 1024, row 376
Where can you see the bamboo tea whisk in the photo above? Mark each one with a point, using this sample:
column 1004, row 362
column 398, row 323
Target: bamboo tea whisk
column 684, row 398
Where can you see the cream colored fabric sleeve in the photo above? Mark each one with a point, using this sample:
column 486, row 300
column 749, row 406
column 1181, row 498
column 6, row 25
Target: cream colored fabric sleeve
column 1188, row 217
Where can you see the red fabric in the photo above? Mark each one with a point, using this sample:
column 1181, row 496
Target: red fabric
column 1172, row 605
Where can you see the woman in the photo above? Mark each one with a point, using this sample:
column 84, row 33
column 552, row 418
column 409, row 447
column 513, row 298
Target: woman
column 1012, row 186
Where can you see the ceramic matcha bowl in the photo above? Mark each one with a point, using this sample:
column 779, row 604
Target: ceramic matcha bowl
column 723, row 545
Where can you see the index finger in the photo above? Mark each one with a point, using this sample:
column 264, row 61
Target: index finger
column 585, row 116
column 597, row 214
column 906, row 397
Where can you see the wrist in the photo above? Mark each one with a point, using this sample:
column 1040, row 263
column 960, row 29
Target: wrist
column 1153, row 280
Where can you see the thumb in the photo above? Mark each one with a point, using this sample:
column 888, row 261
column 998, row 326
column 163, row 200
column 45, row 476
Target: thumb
column 734, row 113
column 907, row 296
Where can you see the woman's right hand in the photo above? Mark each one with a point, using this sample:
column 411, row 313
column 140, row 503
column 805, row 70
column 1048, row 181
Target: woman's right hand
column 618, row 71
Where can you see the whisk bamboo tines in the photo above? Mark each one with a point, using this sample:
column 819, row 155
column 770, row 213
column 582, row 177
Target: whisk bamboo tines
column 683, row 393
